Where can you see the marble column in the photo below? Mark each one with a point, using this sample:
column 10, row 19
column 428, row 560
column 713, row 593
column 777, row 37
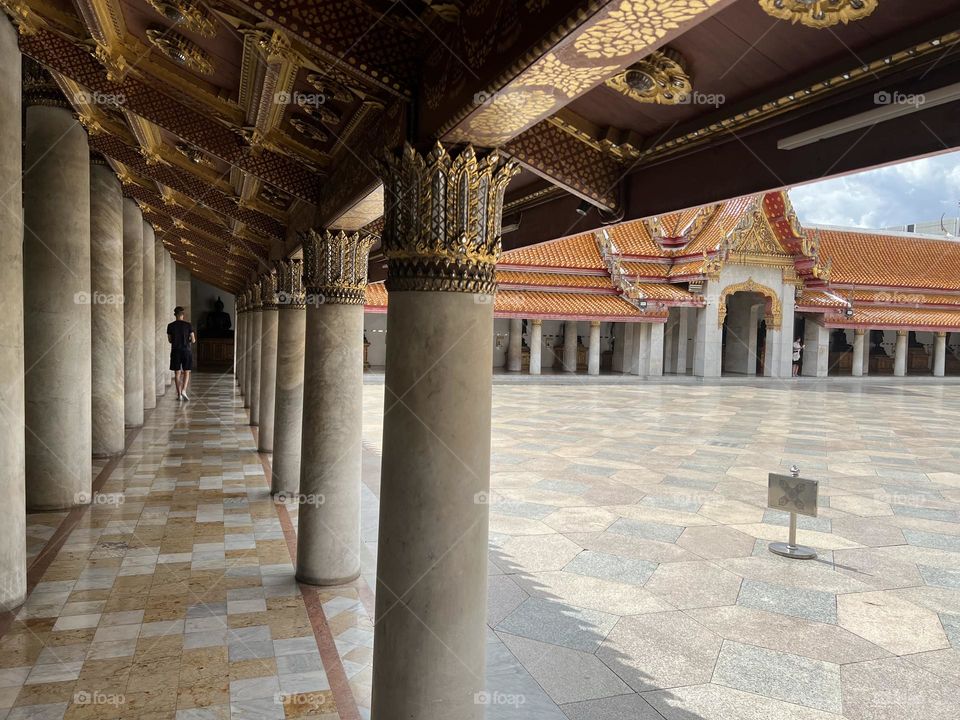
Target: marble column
column 238, row 340
column 629, row 355
column 13, row 551
column 655, row 357
column 640, row 361
column 939, row 354
column 708, row 342
column 268, row 360
column 106, row 308
column 328, row 530
column 288, row 416
column 593, row 352
column 132, row 314
column 683, row 339
column 536, row 346
column 866, row 351
column 56, row 272
column 149, row 318
column 253, row 352
column 816, row 350
column 900, row 354
column 247, row 344
column 515, row 345
column 164, row 315
column 430, row 631
column 171, row 304
column 669, row 346
column 570, row 346
column 856, row 368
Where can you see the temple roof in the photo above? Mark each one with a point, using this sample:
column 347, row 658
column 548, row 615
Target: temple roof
column 904, row 260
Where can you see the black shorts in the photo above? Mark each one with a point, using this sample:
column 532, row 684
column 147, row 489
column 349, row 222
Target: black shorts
column 181, row 359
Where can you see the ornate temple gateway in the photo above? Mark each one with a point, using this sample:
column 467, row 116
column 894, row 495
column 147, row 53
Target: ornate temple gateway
column 725, row 288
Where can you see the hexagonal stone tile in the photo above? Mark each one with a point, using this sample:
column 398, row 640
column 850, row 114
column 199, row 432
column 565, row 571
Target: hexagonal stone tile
column 716, row 541
column 694, row 584
column 895, row 689
column 660, row 650
column 891, row 622
column 558, row 623
column 716, row 702
column 809, row 604
column 782, row 676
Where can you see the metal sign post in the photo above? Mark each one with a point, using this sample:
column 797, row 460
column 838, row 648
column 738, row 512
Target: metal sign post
column 797, row 495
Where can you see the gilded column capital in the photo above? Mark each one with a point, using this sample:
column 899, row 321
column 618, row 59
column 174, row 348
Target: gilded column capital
column 537, row 322
column 902, row 333
column 239, row 303
column 255, row 297
column 941, row 334
column 335, row 266
column 442, row 219
column 39, row 87
column 290, row 290
column 859, row 331
column 268, row 290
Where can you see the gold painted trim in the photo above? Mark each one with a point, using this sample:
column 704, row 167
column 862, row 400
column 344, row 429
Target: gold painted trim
column 774, row 313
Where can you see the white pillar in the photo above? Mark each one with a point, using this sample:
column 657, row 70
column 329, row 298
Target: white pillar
column 669, row 345
column 570, row 346
column 816, row 351
column 683, row 338
column 515, row 345
column 132, row 314
column 268, row 361
column 13, row 552
column 858, row 342
column 900, row 354
column 707, row 350
column 593, row 351
column 149, row 318
column 866, row 351
column 939, row 354
column 655, row 361
column 630, row 334
column 640, row 361
column 536, row 346
column 783, row 357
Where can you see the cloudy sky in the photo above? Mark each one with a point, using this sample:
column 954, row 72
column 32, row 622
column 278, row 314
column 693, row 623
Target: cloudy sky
column 894, row 195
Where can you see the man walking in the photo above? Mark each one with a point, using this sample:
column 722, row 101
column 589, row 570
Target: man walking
column 181, row 337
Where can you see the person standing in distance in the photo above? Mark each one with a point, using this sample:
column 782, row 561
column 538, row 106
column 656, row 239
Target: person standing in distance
column 181, row 336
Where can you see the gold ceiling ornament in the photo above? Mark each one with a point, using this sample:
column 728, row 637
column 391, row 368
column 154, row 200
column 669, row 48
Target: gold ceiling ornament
column 819, row 14
column 442, row 218
column 275, row 197
column 773, row 309
column 194, row 155
column 335, row 266
column 113, row 62
column 552, row 72
column 187, row 15
column 27, row 21
column 309, row 127
column 291, row 293
column 331, row 88
column 181, row 50
column 661, row 78
column 90, row 123
column 322, row 113
column 503, row 115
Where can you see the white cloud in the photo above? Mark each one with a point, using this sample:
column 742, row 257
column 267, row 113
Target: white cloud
column 909, row 192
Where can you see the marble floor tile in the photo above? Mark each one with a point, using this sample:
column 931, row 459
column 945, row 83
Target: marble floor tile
column 686, row 585
column 894, row 624
column 808, row 604
column 554, row 622
column 896, row 689
column 716, row 702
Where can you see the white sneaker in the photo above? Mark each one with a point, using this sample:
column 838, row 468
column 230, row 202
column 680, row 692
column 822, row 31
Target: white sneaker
column 185, row 396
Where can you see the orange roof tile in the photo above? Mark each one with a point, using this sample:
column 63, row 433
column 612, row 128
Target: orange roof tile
column 864, row 258
column 545, row 279
column 906, row 318
column 568, row 305
column 646, row 269
column 723, row 221
column 579, row 251
column 903, row 297
column 818, row 298
column 633, row 238
column 692, row 267
column 666, row 291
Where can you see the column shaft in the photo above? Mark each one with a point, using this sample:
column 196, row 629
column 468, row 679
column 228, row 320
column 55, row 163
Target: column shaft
column 655, row 359
column 106, row 281
column 132, row 314
column 256, row 333
column 13, row 551
column 570, row 346
column 536, row 346
column 939, row 354
column 171, row 303
column 683, row 338
column 163, row 315
column 56, row 258
column 856, row 368
column 593, row 352
column 268, row 378
column 816, row 350
column 149, row 319
column 900, row 354
column 288, row 418
column 515, row 345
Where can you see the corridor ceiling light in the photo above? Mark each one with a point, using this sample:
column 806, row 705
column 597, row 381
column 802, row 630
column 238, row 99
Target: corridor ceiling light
column 819, row 14
column 894, row 106
column 584, row 207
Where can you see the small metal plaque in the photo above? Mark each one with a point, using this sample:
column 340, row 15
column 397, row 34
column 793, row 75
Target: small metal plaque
column 792, row 494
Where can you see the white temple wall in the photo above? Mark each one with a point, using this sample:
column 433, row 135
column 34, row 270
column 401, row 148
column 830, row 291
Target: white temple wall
column 375, row 331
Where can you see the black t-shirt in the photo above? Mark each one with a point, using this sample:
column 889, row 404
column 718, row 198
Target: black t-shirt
column 180, row 331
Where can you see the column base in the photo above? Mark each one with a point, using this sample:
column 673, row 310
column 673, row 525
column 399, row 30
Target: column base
column 326, row 581
column 133, row 427
column 109, row 456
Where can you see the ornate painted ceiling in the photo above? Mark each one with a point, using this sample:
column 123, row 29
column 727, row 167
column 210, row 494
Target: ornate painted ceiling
column 238, row 124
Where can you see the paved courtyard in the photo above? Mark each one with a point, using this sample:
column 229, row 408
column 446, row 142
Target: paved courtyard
column 629, row 575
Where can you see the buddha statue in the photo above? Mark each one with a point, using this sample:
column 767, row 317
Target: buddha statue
column 217, row 323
